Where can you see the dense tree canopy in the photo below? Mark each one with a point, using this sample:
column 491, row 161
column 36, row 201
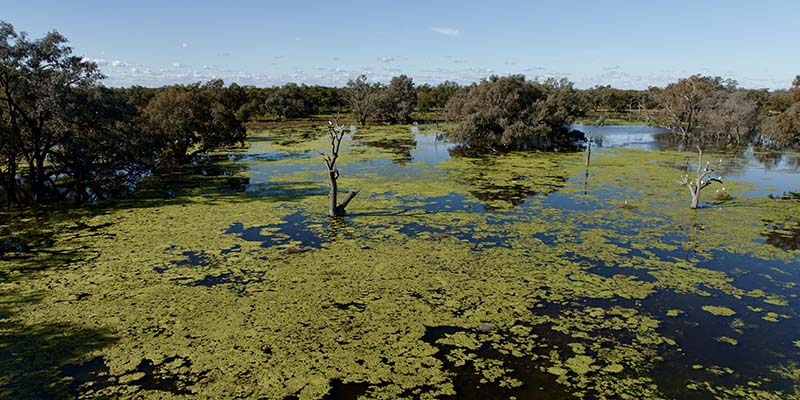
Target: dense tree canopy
column 703, row 108
column 398, row 100
column 512, row 113
column 64, row 136
column 39, row 80
column 192, row 118
column 291, row 101
column 781, row 117
column 733, row 119
column 363, row 98
column 430, row 98
column 683, row 103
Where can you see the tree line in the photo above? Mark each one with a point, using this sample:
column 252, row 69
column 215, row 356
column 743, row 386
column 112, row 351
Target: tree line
column 63, row 135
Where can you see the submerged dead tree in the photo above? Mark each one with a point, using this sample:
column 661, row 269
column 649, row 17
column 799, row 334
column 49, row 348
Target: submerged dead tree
column 696, row 185
column 336, row 133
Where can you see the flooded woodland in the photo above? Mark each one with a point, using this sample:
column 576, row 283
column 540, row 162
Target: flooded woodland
column 513, row 275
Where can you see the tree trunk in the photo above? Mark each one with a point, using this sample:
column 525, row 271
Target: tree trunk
column 695, row 198
column 11, row 184
column 341, row 208
column 332, row 193
column 39, row 189
column 337, row 210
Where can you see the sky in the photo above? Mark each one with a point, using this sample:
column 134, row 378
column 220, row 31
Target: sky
column 626, row 44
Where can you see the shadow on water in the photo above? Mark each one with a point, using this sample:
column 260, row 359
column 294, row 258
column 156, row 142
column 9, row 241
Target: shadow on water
column 286, row 192
column 293, row 229
column 346, row 391
column 471, row 383
column 31, row 356
column 783, row 235
column 399, row 148
column 172, row 375
column 29, row 241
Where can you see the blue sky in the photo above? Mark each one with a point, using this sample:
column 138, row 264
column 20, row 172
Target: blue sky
column 627, row 44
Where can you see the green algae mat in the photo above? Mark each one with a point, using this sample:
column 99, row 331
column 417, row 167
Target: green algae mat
column 522, row 275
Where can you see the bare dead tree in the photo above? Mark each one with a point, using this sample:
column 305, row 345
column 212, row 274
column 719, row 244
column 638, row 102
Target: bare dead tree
column 336, row 133
column 702, row 180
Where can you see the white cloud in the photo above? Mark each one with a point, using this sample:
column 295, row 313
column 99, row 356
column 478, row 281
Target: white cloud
column 184, row 45
column 386, row 59
column 177, row 65
column 118, row 63
column 99, row 61
column 447, row 31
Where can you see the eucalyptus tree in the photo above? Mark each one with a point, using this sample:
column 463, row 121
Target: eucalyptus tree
column 105, row 152
column 191, row 120
column 781, row 117
column 734, row 119
column 430, row 98
column 363, row 98
column 290, row 101
column 38, row 80
column 398, row 99
column 511, row 113
column 9, row 158
column 684, row 103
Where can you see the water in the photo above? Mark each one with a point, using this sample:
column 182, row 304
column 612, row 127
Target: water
column 771, row 173
column 593, row 282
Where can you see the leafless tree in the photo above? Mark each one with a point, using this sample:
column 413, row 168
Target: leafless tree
column 336, row 133
column 702, row 180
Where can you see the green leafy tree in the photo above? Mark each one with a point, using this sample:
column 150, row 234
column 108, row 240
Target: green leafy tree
column 430, row 98
column 192, row 120
column 38, row 79
column 290, row 101
column 105, row 152
column 781, row 117
column 9, row 158
column 512, row 113
column 684, row 103
column 734, row 119
column 363, row 98
column 398, row 100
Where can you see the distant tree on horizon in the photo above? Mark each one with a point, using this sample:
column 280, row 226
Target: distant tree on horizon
column 363, row 98
column 291, row 101
column 781, row 117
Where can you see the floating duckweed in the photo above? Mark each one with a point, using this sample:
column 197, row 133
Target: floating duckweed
column 719, row 311
column 729, row 340
column 771, row 317
column 580, row 364
column 674, row 312
column 613, row 368
column 511, row 267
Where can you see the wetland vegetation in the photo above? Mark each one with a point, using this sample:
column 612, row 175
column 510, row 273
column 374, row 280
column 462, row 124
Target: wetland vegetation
column 475, row 262
column 517, row 274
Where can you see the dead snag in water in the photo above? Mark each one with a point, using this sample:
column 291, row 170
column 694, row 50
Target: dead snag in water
column 336, row 133
column 695, row 186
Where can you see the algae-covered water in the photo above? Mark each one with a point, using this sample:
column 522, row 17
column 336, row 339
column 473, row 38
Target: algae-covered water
column 522, row 275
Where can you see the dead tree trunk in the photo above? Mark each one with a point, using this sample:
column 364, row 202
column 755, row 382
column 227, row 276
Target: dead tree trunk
column 695, row 186
column 336, row 133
